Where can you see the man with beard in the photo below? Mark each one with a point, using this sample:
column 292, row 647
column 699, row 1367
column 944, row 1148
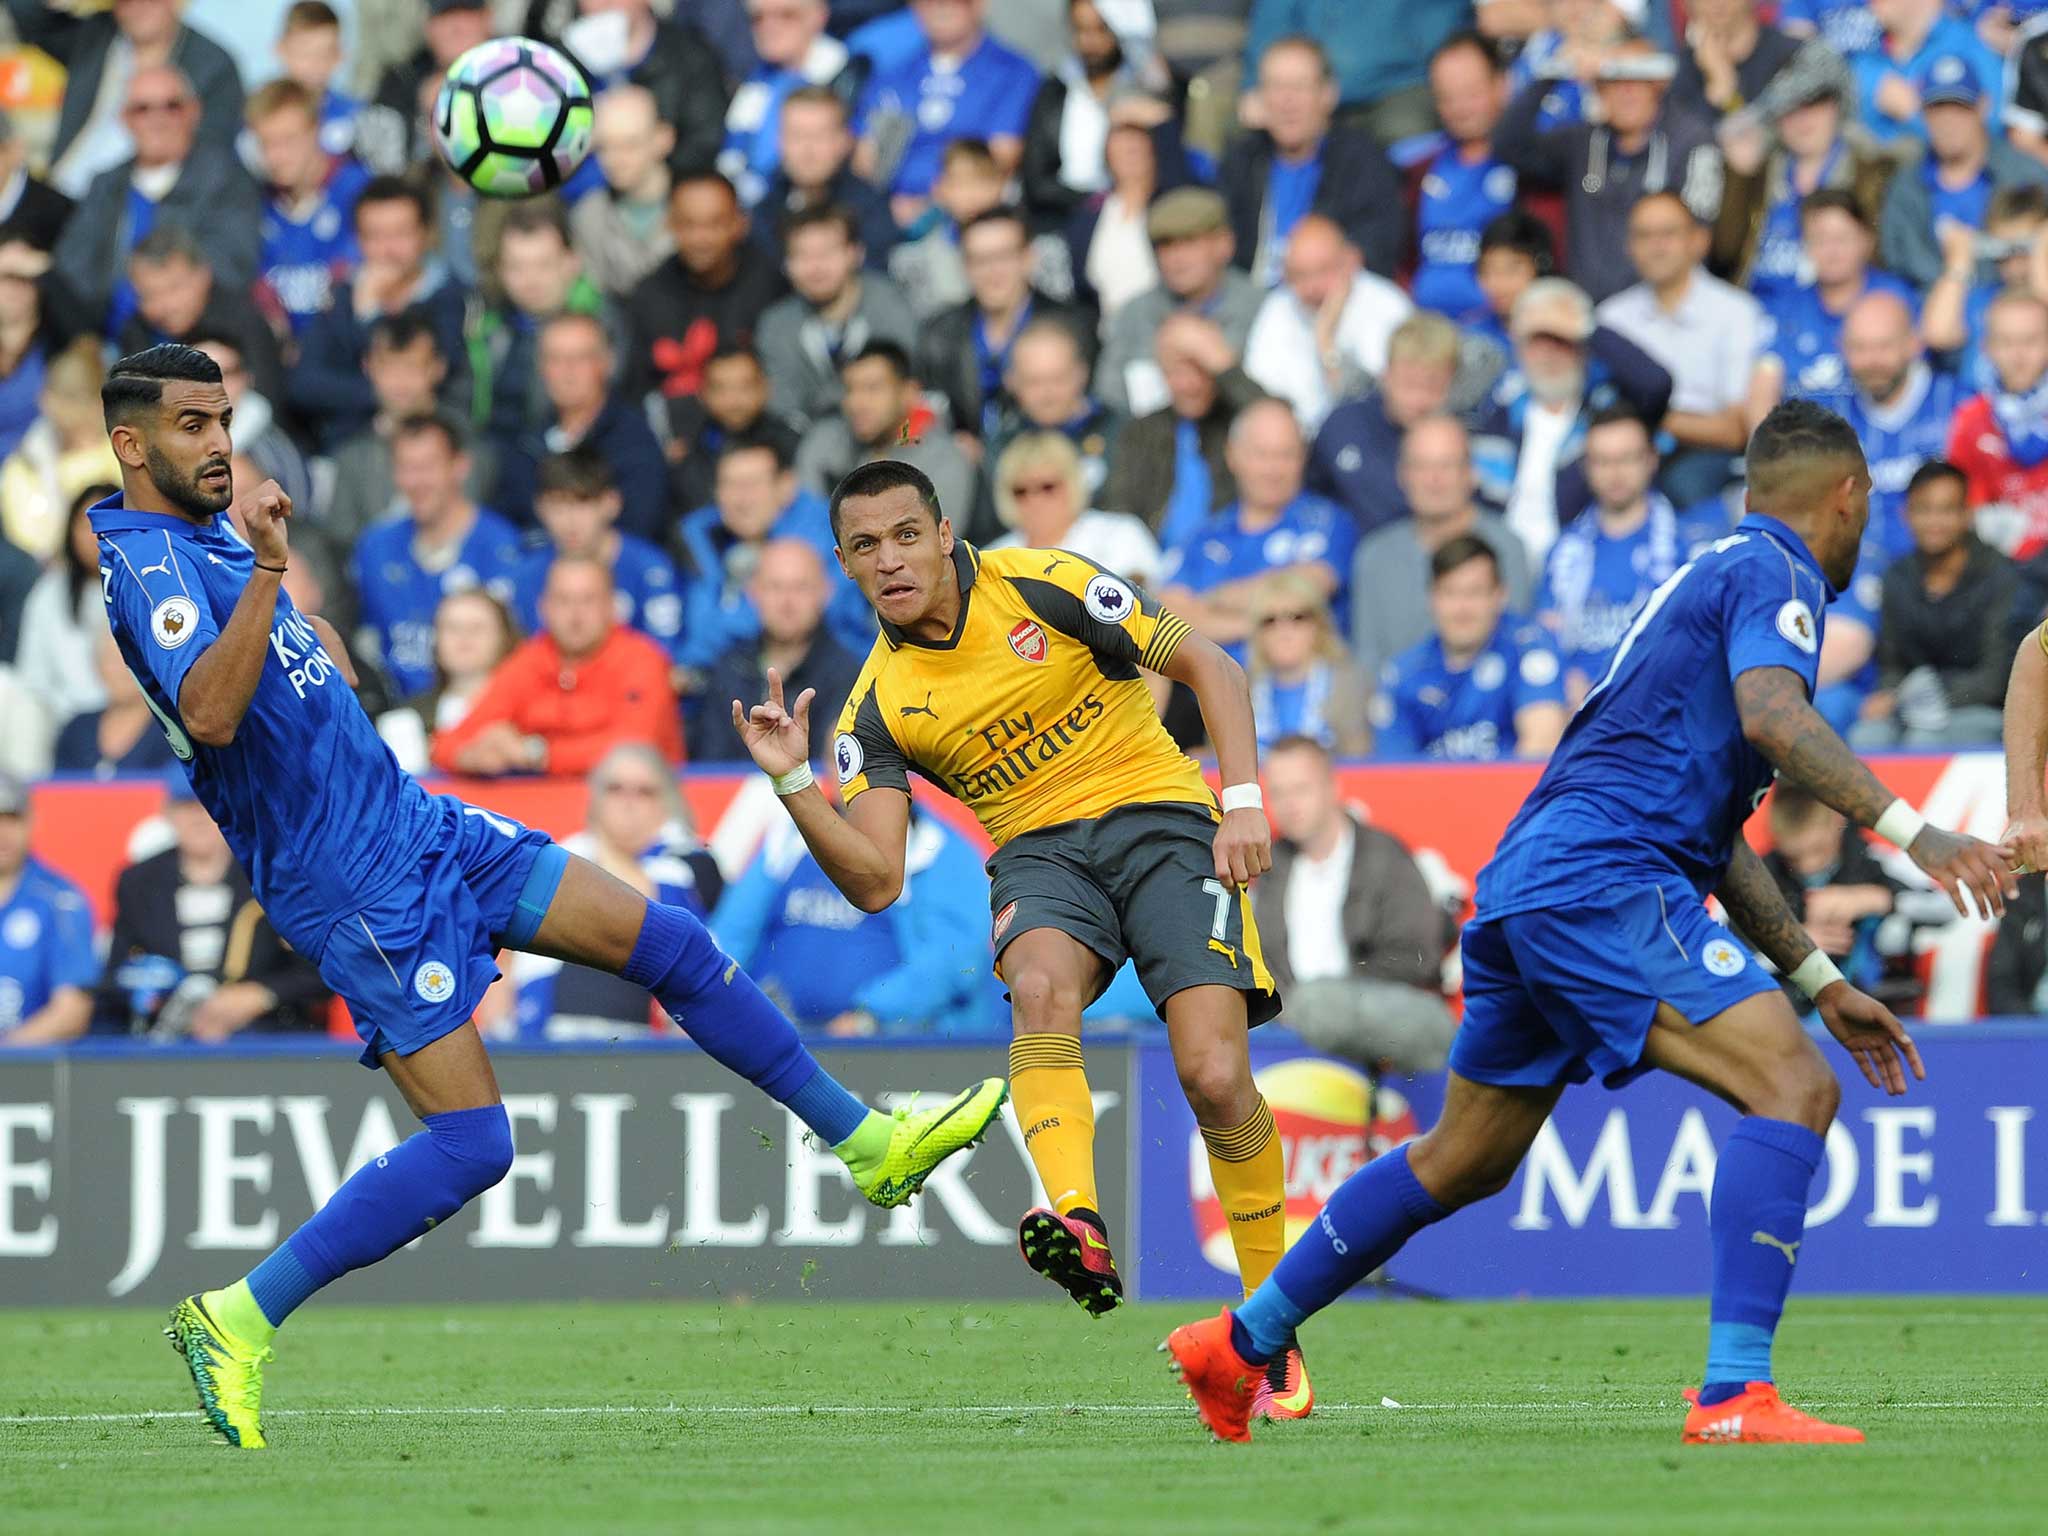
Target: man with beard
column 402, row 899
column 1901, row 409
column 1530, row 435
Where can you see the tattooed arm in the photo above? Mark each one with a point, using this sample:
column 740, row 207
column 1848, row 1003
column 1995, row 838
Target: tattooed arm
column 1780, row 723
column 1866, row 1028
column 1788, row 730
column 1757, row 910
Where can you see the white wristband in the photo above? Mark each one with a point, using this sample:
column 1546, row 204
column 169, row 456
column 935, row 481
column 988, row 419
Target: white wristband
column 1243, row 797
column 1815, row 973
column 799, row 777
column 1899, row 825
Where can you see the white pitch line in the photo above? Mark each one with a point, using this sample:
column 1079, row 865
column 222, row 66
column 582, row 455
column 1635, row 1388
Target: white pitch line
column 960, row 1410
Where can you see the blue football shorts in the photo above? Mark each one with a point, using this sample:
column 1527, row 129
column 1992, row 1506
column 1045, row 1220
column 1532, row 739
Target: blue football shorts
column 1564, row 994
column 413, row 965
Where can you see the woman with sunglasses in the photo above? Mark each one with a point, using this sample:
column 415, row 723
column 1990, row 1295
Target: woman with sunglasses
column 1040, row 500
column 1304, row 682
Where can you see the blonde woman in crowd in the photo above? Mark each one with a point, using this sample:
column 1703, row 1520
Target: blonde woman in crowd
column 1040, row 499
column 63, row 453
column 1304, row 682
column 63, row 619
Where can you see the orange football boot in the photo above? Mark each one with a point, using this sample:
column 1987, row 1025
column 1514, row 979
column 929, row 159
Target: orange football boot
column 1758, row 1416
column 1220, row 1380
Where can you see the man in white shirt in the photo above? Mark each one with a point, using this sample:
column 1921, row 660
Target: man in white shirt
column 1705, row 332
column 1352, row 934
column 1322, row 335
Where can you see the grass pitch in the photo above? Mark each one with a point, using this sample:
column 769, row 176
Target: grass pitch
column 1554, row 1418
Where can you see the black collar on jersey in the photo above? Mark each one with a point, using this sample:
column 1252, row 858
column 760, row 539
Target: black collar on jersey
column 966, row 561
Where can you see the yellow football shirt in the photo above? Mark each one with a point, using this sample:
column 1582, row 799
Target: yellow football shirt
column 1032, row 712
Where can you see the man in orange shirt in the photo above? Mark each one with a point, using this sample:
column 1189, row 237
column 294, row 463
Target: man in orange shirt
column 569, row 695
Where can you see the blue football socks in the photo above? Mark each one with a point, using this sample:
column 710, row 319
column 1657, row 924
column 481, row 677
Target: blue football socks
column 1757, row 1223
column 1363, row 1225
column 728, row 1016
column 385, row 1204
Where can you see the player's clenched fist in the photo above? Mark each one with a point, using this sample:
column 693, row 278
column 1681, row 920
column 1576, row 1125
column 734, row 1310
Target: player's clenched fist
column 265, row 511
column 1244, row 848
column 777, row 738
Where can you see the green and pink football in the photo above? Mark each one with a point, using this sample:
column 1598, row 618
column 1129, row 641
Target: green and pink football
column 513, row 118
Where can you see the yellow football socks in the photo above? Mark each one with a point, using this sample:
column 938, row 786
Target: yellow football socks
column 1050, row 1091
column 1251, row 1182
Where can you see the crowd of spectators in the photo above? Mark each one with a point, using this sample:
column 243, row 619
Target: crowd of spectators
column 1405, row 360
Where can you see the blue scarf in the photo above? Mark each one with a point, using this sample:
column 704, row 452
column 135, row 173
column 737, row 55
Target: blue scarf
column 2023, row 418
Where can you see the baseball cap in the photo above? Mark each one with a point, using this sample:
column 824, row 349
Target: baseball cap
column 1184, row 213
column 1950, row 82
column 13, row 796
column 443, row 7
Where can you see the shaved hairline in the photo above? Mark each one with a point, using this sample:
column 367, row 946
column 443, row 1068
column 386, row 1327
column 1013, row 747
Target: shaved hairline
column 1795, row 478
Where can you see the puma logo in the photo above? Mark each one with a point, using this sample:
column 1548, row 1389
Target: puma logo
column 921, row 709
column 1225, row 950
column 163, row 566
column 1054, row 564
column 1790, row 1250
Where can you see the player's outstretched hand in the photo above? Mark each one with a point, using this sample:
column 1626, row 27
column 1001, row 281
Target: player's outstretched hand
column 2028, row 840
column 1244, row 848
column 1869, row 1032
column 1959, row 863
column 777, row 738
column 265, row 512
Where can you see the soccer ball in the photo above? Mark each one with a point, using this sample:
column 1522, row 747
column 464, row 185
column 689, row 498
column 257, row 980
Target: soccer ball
column 513, row 118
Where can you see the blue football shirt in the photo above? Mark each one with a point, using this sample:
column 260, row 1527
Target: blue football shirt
column 1425, row 707
column 1949, row 35
column 308, row 796
column 1310, row 530
column 1594, row 585
column 648, row 595
column 1654, row 778
column 1458, row 201
column 45, row 943
column 1806, row 337
column 1896, row 442
column 399, row 595
column 1848, row 25
column 307, row 250
column 987, row 95
column 1965, row 205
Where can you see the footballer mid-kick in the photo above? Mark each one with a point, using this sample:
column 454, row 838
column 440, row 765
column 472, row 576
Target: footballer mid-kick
column 1010, row 678
column 401, row 898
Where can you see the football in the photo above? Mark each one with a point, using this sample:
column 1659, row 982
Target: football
column 513, row 117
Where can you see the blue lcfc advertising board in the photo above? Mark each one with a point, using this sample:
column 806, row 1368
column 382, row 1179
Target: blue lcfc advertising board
column 1945, row 1189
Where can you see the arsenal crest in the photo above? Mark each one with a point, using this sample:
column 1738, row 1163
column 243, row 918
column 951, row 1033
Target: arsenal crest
column 1028, row 640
